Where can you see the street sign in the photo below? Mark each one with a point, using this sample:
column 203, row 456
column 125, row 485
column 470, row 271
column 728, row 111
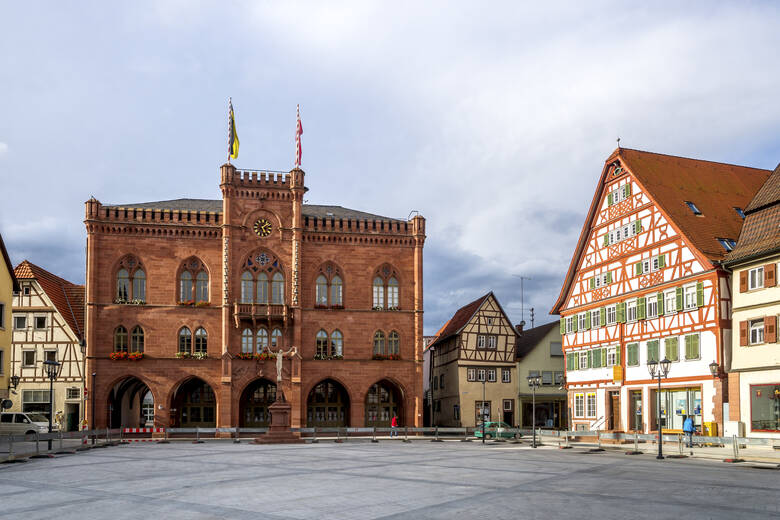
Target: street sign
column 6, row 404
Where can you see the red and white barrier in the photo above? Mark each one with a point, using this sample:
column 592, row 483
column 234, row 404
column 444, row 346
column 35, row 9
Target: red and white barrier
column 144, row 430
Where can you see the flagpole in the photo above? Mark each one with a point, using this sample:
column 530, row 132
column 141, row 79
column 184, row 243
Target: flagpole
column 230, row 129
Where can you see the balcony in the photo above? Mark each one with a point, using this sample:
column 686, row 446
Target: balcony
column 260, row 312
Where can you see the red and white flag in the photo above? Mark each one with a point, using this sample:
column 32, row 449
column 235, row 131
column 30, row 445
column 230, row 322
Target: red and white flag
column 298, row 133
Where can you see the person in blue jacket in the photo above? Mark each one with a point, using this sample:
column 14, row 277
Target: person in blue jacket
column 688, row 429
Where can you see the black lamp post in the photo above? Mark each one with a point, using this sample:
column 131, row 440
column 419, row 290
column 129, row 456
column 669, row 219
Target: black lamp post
column 13, row 382
column 482, row 413
column 534, row 382
column 430, row 383
column 52, row 371
column 658, row 370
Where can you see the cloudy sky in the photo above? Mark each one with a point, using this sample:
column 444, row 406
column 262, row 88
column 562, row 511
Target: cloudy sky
column 491, row 119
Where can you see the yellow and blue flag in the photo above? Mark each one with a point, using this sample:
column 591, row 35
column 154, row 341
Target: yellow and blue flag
column 232, row 135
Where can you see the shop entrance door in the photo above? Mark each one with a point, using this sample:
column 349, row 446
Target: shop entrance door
column 614, row 415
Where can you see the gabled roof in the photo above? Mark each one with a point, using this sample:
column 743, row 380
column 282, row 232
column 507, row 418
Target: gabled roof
column 67, row 297
column 463, row 315
column 761, row 233
column 715, row 188
column 9, row 266
column 530, row 338
column 309, row 210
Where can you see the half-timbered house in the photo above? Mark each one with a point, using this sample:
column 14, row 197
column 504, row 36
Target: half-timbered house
column 473, row 368
column 646, row 283
column 48, row 315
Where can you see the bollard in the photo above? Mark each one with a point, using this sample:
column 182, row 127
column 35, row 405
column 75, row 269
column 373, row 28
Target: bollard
column 108, row 435
column 436, row 436
column 567, row 440
column 373, row 438
column 197, row 436
column 314, row 436
column 165, row 437
column 11, row 447
column 237, row 440
column 338, row 435
column 406, row 434
column 635, row 451
column 598, row 438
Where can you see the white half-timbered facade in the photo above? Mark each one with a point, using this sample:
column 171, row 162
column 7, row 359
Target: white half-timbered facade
column 48, row 324
column 645, row 284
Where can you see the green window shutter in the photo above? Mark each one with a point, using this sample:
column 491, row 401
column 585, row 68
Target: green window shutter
column 606, row 239
column 563, row 325
column 609, row 198
column 569, row 362
column 621, row 312
column 652, row 350
column 596, row 358
column 603, row 316
column 574, row 320
column 604, row 357
column 661, row 261
column 637, row 227
column 694, row 346
column 641, row 308
column 617, row 355
column 699, row 294
column 590, row 361
column 688, row 347
column 638, row 268
column 593, row 283
column 628, row 190
column 632, row 352
column 587, row 320
column 660, row 304
column 679, row 293
column 672, row 349
column 609, row 276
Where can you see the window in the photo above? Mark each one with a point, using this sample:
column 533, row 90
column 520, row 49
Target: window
column 276, row 336
column 73, row 393
column 20, row 322
column 671, row 349
column 595, row 319
column 202, row 287
column 558, row 378
column 392, row 293
column 246, row 342
column 619, row 194
column 491, row 342
column 547, row 378
column 583, row 360
column 36, row 401
column 28, row 358
column 556, row 348
column 50, row 355
column 336, row 291
column 120, row 339
column 441, row 381
column 690, row 296
column 756, row 278
column 491, row 375
column 262, row 288
column 247, row 287
column 379, row 342
column 693, row 207
column 481, row 375
column 579, row 405
column 185, row 286
column 26, row 290
column 600, row 280
column 130, row 281
column 506, row 375
column 727, row 243
column 670, row 302
column 611, row 315
column 322, row 290
column 508, row 405
column 612, row 357
column 692, row 346
column 489, row 321
column 631, row 311
column 322, row 344
column 756, row 331
column 623, row 232
column 739, row 212
column 590, row 405
column 393, row 343
column 137, row 339
column 632, row 353
column 480, row 341
column 582, row 322
column 533, row 373
column 471, row 374
column 435, row 382
column 185, row 340
column 379, row 294
column 40, row 322
column 456, row 412
column 337, row 343
column 201, row 341
column 652, row 350
column 765, row 407
column 261, row 343
column 277, row 288
column 652, row 307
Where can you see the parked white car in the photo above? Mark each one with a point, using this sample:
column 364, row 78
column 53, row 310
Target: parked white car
column 21, row 423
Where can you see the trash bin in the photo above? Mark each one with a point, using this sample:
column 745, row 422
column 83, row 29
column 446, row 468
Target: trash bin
column 710, row 429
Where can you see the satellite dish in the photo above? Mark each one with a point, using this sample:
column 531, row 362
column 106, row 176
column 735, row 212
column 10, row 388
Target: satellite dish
column 6, row 404
column 522, row 323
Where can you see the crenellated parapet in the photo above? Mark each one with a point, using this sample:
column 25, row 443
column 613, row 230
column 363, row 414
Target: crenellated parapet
column 150, row 221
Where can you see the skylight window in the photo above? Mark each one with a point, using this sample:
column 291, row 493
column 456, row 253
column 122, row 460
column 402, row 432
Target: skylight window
column 739, row 212
column 727, row 243
column 693, row 207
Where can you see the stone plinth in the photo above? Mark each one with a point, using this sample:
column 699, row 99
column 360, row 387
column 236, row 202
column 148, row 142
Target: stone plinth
column 279, row 431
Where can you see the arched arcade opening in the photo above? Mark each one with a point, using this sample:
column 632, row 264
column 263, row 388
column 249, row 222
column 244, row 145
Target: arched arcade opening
column 130, row 404
column 327, row 405
column 383, row 401
column 254, row 403
column 194, row 404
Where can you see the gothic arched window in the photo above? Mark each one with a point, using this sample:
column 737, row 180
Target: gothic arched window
column 329, row 286
column 185, row 340
column 322, row 290
column 337, row 343
column 386, row 289
column 137, row 339
column 262, row 341
column 185, row 286
column 262, row 288
column 262, row 266
column 130, row 281
column 202, row 287
column 246, row 341
column 120, row 339
column 393, row 343
column 379, row 293
column 336, row 293
column 379, row 343
column 277, row 288
column 193, row 281
column 276, row 336
column 322, row 344
column 201, row 339
column 247, row 287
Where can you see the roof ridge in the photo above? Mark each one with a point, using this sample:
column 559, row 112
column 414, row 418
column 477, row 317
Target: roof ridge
column 43, row 273
column 622, row 148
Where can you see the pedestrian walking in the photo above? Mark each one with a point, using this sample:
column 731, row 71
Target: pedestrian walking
column 688, row 429
column 394, row 427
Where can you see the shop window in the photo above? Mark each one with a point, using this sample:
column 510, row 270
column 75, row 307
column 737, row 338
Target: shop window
column 765, row 407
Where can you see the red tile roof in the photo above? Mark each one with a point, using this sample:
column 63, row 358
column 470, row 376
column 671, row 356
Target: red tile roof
column 715, row 188
column 761, row 233
column 459, row 319
column 67, row 297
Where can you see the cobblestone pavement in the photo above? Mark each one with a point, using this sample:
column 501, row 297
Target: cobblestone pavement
column 387, row 480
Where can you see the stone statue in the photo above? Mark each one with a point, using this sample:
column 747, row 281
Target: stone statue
column 279, row 354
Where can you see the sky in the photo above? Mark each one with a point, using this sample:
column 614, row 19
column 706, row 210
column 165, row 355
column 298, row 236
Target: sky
column 491, row 120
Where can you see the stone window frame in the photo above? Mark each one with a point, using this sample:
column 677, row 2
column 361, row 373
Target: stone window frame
column 132, row 292
column 254, row 268
column 121, row 338
column 194, row 267
column 384, row 279
column 329, row 272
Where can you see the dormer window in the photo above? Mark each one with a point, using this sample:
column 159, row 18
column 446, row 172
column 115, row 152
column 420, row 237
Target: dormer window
column 727, row 243
column 693, row 207
column 739, row 212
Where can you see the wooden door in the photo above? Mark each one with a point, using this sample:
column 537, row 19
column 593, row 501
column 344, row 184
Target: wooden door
column 614, row 418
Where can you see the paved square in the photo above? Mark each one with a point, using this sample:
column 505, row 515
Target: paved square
column 361, row 480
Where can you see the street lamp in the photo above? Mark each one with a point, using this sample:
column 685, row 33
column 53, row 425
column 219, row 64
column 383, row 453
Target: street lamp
column 715, row 369
column 52, row 371
column 430, row 382
column 14, row 382
column 534, row 382
column 482, row 378
column 658, row 370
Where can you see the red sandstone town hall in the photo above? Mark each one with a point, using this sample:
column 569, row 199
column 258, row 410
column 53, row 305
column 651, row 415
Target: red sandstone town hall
column 187, row 298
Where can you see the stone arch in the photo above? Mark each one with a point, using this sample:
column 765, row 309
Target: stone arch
column 193, row 402
column 383, row 399
column 124, row 402
column 328, row 404
column 254, row 400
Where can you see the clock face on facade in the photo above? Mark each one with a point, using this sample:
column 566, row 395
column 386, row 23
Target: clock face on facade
column 262, row 227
